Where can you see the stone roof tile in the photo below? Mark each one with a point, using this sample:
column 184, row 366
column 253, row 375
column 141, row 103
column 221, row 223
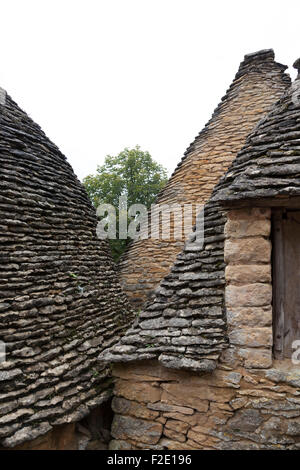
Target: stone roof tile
column 268, row 166
column 185, row 325
column 60, row 301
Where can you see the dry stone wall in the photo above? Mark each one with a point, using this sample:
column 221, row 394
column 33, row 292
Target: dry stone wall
column 231, row 408
column 250, row 401
column 259, row 82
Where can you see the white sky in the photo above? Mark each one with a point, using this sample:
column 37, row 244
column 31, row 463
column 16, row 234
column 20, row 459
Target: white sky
column 99, row 75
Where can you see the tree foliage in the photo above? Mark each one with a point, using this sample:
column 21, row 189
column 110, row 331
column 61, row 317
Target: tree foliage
column 132, row 173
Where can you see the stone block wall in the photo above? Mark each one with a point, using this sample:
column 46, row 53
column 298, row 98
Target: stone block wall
column 231, row 408
column 259, row 83
column 250, row 401
column 248, row 293
column 60, row 299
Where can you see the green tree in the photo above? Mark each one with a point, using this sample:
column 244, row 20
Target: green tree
column 132, row 173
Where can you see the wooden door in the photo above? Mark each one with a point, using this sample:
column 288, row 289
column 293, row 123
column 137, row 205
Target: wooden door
column 286, row 281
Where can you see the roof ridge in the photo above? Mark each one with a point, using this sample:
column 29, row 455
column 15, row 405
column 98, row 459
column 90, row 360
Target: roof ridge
column 268, row 166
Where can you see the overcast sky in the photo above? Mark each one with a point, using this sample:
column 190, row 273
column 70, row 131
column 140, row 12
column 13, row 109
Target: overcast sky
column 101, row 75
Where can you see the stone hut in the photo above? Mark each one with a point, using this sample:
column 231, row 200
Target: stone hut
column 213, row 361
column 259, row 82
column 60, row 300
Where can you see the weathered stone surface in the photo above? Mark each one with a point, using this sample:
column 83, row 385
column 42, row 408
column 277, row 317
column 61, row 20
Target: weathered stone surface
column 116, row 444
column 245, row 421
column 256, row 358
column 144, row 371
column 251, row 337
column 174, row 435
column 187, row 363
column 176, row 425
column 26, row 434
column 218, row 378
column 284, row 374
column 195, row 397
column 160, row 406
column 171, row 444
column 293, row 427
column 249, row 213
column 124, row 427
column 242, row 227
column 237, row 274
column 132, row 408
column 9, row 374
column 249, row 316
column 142, row 392
column 201, row 440
column 238, row 403
column 192, row 420
column 249, row 295
column 254, row 250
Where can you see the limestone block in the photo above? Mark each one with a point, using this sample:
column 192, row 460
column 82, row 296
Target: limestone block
column 160, row 406
column 132, row 408
column 174, row 435
column 256, row 358
column 124, row 427
column 251, row 337
column 248, row 274
column 293, row 427
column 251, row 227
column 245, row 420
column 238, row 403
column 249, row 316
column 256, row 250
column 176, row 425
column 137, row 391
column 249, row 295
column 193, row 396
column 192, row 420
column 145, row 371
column 218, row 378
column 196, row 435
column 252, row 213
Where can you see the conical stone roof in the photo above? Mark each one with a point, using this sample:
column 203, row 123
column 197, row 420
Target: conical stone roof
column 259, row 82
column 268, row 166
column 185, row 326
column 60, row 301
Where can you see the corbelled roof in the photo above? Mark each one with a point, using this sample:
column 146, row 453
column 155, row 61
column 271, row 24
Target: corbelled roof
column 268, row 166
column 60, row 301
column 260, row 82
column 184, row 327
